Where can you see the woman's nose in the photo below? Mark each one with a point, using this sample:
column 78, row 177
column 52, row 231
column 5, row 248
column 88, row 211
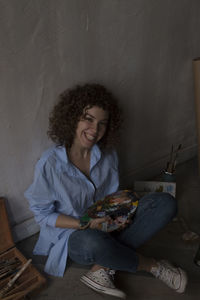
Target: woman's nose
column 95, row 127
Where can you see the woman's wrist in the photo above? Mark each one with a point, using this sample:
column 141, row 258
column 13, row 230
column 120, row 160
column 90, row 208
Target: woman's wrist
column 84, row 222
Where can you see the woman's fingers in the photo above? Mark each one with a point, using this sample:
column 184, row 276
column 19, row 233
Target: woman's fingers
column 96, row 223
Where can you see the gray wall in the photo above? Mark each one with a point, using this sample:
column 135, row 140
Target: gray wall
column 140, row 49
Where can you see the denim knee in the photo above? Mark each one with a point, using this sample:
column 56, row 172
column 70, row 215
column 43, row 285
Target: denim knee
column 170, row 205
column 85, row 245
column 93, row 243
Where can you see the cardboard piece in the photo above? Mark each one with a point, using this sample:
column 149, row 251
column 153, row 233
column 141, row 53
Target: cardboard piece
column 196, row 71
column 145, row 187
column 31, row 279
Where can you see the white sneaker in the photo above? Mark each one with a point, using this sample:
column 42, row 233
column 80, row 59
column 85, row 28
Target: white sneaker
column 174, row 277
column 101, row 281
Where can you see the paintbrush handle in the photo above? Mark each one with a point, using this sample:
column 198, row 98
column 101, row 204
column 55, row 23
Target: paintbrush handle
column 12, row 281
column 23, row 268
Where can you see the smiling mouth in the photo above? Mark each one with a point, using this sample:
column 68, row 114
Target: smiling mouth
column 89, row 137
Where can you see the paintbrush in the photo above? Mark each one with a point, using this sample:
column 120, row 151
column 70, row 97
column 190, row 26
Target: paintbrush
column 9, row 265
column 18, row 295
column 12, row 281
column 6, row 262
column 175, row 158
column 9, row 270
column 169, row 164
column 8, row 273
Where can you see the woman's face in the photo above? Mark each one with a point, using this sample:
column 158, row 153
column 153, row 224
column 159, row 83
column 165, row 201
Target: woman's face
column 91, row 128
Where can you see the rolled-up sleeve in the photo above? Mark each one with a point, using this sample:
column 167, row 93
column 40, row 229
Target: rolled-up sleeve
column 41, row 196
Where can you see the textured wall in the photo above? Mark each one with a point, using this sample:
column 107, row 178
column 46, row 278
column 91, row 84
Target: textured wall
column 140, row 49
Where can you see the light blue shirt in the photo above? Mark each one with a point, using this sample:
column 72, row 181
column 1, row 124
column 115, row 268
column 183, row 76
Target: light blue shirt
column 61, row 188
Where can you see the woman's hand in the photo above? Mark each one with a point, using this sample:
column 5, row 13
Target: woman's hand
column 121, row 223
column 97, row 223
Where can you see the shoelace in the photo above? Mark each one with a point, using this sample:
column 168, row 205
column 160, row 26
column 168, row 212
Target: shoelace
column 111, row 273
column 166, row 274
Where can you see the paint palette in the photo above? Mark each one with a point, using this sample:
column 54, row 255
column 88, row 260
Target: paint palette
column 119, row 206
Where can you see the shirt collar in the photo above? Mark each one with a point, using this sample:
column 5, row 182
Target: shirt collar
column 63, row 163
column 62, row 154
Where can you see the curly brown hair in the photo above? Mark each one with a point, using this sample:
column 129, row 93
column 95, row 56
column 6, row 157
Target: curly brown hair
column 68, row 111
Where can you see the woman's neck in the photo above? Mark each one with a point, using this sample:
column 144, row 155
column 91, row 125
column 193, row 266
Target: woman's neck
column 80, row 158
column 78, row 152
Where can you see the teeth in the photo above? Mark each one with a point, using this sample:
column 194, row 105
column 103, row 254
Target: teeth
column 90, row 137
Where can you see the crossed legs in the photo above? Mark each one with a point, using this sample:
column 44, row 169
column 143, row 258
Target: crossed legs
column 118, row 251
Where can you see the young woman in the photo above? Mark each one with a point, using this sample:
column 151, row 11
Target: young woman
column 79, row 170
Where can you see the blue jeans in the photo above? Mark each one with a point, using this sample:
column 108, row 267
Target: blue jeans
column 117, row 250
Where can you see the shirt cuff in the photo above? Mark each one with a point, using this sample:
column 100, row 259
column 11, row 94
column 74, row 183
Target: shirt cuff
column 52, row 219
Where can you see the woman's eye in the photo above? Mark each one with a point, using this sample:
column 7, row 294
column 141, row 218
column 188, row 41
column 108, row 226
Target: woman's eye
column 104, row 124
column 89, row 119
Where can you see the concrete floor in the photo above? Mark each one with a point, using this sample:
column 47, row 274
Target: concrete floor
column 167, row 244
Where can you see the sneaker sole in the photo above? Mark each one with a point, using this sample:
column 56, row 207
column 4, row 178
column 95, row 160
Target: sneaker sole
column 184, row 281
column 101, row 289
